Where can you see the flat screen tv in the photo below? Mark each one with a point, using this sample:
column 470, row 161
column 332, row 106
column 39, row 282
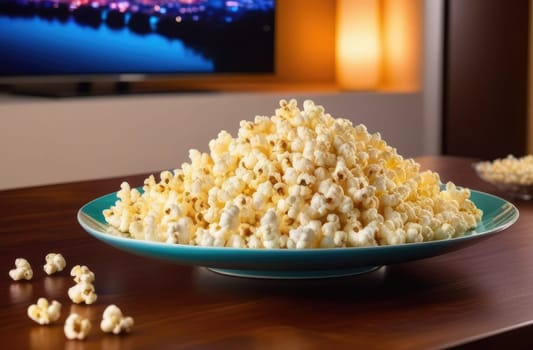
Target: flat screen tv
column 87, row 40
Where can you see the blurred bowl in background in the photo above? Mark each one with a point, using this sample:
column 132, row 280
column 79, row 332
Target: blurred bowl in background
column 510, row 175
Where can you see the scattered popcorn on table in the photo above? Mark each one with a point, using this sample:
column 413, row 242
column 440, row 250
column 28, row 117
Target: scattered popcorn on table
column 43, row 312
column 300, row 179
column 22, row 270
column 82, row 274
column 83, row 291
column 509, row 170
column 77, row 327
column 55, row 262
column 114, row 322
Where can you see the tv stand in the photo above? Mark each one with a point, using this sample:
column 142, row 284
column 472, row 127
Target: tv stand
column 62, row 90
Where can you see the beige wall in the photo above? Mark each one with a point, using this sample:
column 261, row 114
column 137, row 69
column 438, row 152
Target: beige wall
column 45, row 141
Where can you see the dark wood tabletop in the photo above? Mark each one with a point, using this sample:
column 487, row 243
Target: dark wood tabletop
column 477, row 297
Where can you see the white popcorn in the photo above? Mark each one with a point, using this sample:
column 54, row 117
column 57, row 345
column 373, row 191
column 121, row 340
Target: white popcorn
column 339, row 239
column 22, row 270
column 346, row 205
column 255, row 242
column 389, row 214
column 290, row 176
column 361, row 194
column 304, row 237
column 302, row 164
column 299, row 166
column 334, row 196
column 236, row 241
column 319, row 205
column 149, row 231
column 81, row 273
column 76, row 327
column 55, row 262
column 329, row 229
column 269, row 230
column 204, row 238
column 508, row 170
column 229, row 217
column 390, row 235
column 444, row 231
column 82, row 292
column 44, row 312
column 390, row 200
column 413, row 233
column 180, row 231
column 364, row 237
column 113, row 321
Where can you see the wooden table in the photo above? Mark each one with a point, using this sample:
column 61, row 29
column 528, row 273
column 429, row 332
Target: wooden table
column 480, row 296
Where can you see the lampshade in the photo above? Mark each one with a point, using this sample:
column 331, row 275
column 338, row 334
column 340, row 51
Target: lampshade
column 378, row 44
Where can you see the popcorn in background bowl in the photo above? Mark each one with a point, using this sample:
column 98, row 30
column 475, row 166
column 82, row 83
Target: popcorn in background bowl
column 299, row 179
column 510, row 175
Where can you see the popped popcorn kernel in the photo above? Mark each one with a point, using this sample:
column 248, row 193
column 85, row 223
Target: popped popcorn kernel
column 55, row 262
column 113, row 321
column 44, row 312
column 81, row 273
column 22, row 270
column 82, row 292
column 299, row 179
column 76, row 327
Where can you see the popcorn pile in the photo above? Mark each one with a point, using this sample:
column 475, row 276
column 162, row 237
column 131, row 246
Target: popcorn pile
column 509, row 170
column 300, row 179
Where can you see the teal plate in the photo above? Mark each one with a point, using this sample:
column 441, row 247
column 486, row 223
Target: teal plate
column 498, row 215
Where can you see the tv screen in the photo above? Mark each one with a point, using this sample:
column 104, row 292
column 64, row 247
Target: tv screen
column 84, row 38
